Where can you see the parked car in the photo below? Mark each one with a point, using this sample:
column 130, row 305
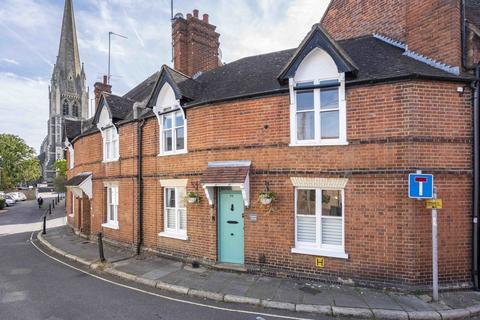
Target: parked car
column 9, row 200
column 18, row 196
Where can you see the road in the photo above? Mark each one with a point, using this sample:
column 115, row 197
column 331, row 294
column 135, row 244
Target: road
column 35, row 286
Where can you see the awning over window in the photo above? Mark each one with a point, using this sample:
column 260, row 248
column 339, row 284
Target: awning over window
column 80, row 183
column 233, row 174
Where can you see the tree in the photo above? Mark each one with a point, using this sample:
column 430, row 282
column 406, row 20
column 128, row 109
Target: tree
column 18, row 163
column 61, row 168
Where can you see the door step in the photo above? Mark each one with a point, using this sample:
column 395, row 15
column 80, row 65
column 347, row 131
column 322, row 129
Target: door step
column 231, row 267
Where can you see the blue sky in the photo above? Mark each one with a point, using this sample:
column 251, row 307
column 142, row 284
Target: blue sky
column 30, row 32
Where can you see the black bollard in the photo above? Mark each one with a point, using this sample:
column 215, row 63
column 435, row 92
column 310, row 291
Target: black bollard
column 49, row 208
column 100, row 247
column 58, row 197
column 44, row 231
column 53, row 204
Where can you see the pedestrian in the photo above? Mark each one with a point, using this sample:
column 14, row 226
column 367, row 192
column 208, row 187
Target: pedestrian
column 40, row 202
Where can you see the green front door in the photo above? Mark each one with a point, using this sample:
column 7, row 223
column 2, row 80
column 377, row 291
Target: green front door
column 230, row 227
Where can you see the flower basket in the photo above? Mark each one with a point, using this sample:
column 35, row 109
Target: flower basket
column 266, row 199
column 192, row 197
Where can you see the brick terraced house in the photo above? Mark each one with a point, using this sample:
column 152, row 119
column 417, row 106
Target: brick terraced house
column 184, row 164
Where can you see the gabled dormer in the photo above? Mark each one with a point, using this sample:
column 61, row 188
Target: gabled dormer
column 316, row 77
column 103, row 119
column 170, row 94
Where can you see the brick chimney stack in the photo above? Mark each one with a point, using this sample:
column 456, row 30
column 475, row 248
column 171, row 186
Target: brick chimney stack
column 100, row 87
column 195, row 44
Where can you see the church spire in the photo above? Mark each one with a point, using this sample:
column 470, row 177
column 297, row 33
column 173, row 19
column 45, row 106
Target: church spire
column 68, row 60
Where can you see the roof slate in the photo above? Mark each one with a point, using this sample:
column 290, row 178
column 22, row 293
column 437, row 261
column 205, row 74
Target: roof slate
column 77, row 180
column 225, row 174
column 73, row 128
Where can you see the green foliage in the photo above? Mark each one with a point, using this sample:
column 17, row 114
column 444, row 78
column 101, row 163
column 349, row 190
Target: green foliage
column 59, row 183
column 2, row 203
column 18, row 162
column 61, row 167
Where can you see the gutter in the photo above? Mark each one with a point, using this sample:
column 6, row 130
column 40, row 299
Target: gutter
column 476, row 177
column 475, row 86
column 140, row 125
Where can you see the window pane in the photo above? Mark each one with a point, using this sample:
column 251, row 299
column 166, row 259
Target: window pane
column 181, row 197
column 114, row 149
column 112, row 212
column 306, row 202
column 182, row 216
column 180, row 143
column 329, row 98
column 178, row 119
column 171, row 219
column 329, row 124
column 107, row 150
column 167, row 122
column 305, row 125
column 167, row 140
column 306, row 230
column 305, row 100
column 332, row 231
column 332, row 203
column 170, row 197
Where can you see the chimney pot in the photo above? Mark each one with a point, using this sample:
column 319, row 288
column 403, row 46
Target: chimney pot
column 195, row 13
column 105, row 79
column 189, row 16
column 205, row 18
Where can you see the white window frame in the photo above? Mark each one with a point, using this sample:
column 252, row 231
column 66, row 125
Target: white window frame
column 176, row 232
column 112, row 200
column 72, row 214
column 173, row 115
column 318, row 248
column 111, row 144
column 342, row 113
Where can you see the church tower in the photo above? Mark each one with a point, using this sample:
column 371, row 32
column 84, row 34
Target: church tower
column 68, row 93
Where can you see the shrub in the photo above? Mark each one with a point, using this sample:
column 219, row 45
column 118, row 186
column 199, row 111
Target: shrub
column 2, row 203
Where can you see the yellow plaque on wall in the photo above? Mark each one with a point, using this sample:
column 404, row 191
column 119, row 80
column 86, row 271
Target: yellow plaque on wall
column 319, row 262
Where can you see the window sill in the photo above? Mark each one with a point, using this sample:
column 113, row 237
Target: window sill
column 111, row 160
column 111, row 225
column 165, row 154
column 173, row 235
column 319, row 144
column 321, row 252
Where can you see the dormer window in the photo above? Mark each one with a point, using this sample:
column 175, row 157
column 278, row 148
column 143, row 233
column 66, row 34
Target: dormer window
column 317, row 92
column 110, row 135
column 110, row 144
column 172, row 122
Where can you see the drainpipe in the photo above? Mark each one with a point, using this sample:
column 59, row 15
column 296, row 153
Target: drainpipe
column 476, row 176
column 139, row 186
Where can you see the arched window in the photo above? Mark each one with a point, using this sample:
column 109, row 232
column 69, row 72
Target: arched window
column 65, row 108
column 75, row 110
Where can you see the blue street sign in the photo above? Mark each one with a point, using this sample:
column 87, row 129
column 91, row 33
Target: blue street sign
column 420, row 186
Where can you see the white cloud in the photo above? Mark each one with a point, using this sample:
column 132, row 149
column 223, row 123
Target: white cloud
column 10, row 61
column 24, row 107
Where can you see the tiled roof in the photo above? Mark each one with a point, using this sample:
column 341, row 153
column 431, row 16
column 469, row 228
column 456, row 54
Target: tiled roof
column 77, row 180
column 225, row 174
column 73, row 128
column 119, row 106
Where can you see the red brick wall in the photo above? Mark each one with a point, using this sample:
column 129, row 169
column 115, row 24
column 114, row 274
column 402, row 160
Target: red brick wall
column 195, row 44
column 353, row 18
column 431, row 28
column 89, row 158
column 393, row 129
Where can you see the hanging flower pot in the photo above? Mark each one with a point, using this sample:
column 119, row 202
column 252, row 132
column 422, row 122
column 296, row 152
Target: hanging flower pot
column 266, row 198
column 192, row 197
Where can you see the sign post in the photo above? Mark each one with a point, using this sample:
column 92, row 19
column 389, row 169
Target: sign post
column 434, row 250
column 420, row 186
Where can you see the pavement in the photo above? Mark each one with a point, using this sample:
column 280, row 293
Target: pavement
column 34, row 286
column 257, row 290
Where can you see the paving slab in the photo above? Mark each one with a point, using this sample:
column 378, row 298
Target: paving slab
column 263, row 288
column 380, row 300
column 460, row 299
column 288, row 291
column 345, row 297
